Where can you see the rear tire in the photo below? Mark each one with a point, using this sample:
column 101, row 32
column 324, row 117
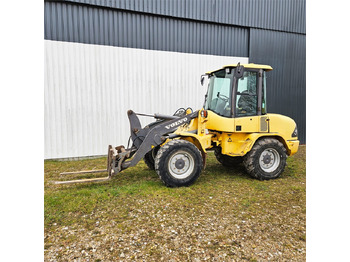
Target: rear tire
column 149, row 161
column 149, row 158
column 178, row 163
column 225, row 160
column 266, row 160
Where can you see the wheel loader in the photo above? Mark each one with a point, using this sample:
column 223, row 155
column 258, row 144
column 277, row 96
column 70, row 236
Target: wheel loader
column 233, row 122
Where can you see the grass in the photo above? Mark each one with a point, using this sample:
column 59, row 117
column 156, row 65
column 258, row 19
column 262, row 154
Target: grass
column 208, row 214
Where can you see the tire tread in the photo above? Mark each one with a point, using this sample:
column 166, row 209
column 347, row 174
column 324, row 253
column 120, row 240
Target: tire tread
column 251, row 159
column 162, row 170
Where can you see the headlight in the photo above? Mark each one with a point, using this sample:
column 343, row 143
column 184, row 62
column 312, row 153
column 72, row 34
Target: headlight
column 295, row 132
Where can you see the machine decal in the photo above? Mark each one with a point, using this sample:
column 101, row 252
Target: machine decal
column 179, row 122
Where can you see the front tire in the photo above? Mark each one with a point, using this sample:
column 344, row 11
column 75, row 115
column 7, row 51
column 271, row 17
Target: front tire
column 178, row 163
column 266, row 160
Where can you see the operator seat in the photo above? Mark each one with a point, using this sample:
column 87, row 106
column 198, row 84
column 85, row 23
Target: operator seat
column 246, row 104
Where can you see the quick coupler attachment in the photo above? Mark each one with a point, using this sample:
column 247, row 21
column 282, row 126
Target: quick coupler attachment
column 116, row 158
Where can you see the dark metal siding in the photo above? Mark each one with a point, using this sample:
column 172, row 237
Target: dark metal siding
column 284, row 15
column 267, row 31
column 101, row 26
column 286, row 53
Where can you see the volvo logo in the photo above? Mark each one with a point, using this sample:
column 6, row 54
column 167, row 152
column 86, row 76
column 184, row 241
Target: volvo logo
column 177, row 123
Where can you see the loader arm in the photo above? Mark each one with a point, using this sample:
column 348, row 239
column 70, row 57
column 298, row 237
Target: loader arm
column 144, row 140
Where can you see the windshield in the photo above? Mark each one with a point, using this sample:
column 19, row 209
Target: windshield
column 219, row 93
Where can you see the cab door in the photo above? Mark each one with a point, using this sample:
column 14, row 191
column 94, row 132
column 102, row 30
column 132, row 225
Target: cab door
column 249, row 89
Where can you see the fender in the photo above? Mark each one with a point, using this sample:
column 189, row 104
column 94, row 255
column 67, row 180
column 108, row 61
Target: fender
column 239, row 144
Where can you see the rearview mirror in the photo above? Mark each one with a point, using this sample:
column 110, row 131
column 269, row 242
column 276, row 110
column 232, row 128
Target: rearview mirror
column 202, row 79
column 239, row 71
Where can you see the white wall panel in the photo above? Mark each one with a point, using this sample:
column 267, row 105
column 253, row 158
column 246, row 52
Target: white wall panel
column 89, row 88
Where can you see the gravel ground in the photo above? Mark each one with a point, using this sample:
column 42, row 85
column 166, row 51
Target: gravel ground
column 263, row 222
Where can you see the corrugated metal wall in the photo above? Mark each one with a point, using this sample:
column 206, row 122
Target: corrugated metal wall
column 102, row 26
column 286, row 53
column 285, row 15
column 89, row 88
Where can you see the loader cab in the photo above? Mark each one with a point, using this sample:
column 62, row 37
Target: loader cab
column 237, row 91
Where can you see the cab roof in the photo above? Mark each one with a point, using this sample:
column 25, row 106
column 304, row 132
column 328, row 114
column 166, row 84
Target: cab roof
column 251, row 65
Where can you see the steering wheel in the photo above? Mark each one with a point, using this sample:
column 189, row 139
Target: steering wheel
column 223, row 97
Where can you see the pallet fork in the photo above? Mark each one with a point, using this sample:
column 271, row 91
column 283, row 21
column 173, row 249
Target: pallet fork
column 111, row 155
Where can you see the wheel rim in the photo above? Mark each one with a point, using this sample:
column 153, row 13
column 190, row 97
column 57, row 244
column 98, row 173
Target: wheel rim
column 181, row 164
column 269, row 160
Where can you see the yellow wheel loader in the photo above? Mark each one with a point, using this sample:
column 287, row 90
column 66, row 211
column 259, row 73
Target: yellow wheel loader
column 233, row 122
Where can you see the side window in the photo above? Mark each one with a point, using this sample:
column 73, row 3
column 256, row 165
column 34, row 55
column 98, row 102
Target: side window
column 247, row 98
column 263, row 106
